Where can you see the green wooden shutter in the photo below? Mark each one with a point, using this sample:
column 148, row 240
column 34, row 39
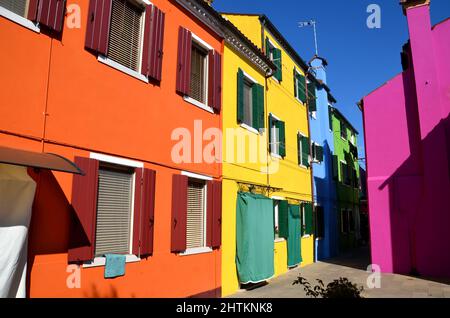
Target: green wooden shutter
column 282, row 134
column 268, row 47
column 305, row 151
column 312, row 104
column 335, row 167
column 258, row 106
column 270, row 132
column 301, row 92
column 299, row 149
column 308, row 218
column 319, row 153
column 277, row 61
column 295, row 83
column 283, row 229
column 330, row 118
column 240, row 96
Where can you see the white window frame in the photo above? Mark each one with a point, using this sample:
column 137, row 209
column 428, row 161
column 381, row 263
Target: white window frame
column 273, row 154
column 136, row 74
column 130, row 257
column 203, row 44
column 202, row 249
column 301, row 152
column 19, row 20
column 244, row 125
column 276, row 217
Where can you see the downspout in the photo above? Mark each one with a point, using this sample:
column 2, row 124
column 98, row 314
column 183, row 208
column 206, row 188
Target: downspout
column 311, row 165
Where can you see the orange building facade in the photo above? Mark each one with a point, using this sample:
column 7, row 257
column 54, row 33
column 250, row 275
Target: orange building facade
column 60, row 95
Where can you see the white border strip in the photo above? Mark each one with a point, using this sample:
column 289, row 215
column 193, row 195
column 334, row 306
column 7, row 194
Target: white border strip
column 19, row 20
column 122, row 68
column 196, row 176
column 116, row 160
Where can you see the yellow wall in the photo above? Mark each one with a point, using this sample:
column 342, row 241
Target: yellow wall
column 294, row 180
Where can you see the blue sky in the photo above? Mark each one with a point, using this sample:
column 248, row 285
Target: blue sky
column 360, row 59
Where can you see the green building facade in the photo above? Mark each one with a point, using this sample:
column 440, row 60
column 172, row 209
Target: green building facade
column 346, row 174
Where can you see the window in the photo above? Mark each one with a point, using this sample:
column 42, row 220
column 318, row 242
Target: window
column 199, row 73
column 320, row 222
column 276, row 204
column 274, row 55
column 317, row 152
column 19, row 7
column 250, row 105
column 114, row 209
column 125, row 35
column 277, row 136
column 303, row 150
column 351, row 221
column 345, row 173
column 344, row 221
column 299, row 86
column 347, row 221
column 196, row 216
column 343, row 130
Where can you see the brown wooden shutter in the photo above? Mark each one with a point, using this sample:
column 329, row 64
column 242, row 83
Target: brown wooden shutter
column 152, row 53
column 214, row 214
column 49, row 13
column 98, row 25
column 179, row 213
column 184, row 61
column 84, row 203
column 33, row 10
column 144, row 207
column 215, row 81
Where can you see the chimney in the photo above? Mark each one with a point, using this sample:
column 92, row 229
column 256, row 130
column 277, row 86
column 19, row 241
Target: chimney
column 407, row 4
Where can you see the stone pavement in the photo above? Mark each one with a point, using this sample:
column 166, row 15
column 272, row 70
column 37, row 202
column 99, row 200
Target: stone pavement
column 352, row 266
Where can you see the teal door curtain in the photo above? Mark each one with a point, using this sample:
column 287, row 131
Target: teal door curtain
column 254, row 238
column 294, row 254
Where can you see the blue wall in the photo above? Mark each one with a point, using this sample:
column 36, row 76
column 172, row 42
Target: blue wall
column 324, row 186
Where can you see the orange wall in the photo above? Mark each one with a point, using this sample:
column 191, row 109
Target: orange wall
column 93, row 107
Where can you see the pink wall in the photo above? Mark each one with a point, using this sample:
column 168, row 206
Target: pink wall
column 407, row 149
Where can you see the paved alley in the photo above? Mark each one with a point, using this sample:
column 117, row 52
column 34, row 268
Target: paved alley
column 352, row 266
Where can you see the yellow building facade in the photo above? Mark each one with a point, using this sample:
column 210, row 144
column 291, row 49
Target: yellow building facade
column 261, row 155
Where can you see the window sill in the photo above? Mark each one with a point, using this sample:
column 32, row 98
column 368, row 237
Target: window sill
column 198, row 104
column 197, row 250
column 19, row 20
column 122, row 68
column 313, row 115
column 249, row 128
column 279, row 240
column 304, row 167
column 276, row 155
column 306, row 236
column 101, row 261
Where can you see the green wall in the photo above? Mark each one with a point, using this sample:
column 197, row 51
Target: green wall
column 347, row 195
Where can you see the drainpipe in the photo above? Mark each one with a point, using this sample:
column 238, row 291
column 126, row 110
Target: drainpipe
column 311, row 165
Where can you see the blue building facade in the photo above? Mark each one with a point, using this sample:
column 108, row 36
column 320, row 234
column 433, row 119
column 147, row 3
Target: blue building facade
column 324, row 187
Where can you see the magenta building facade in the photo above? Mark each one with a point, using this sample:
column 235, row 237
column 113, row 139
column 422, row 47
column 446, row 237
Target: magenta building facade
column 407, row 136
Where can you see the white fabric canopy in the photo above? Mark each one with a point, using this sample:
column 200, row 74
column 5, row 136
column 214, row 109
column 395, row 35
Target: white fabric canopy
column 17, row 190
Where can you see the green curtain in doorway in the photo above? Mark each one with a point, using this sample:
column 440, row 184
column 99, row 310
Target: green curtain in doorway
column 293, row 241
column 254, row 238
